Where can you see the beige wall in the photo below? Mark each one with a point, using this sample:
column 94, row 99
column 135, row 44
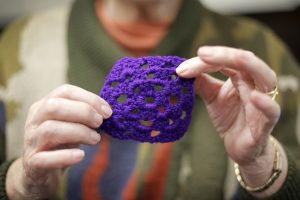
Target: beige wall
column 13, row 8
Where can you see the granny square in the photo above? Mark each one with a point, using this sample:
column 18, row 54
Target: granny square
column 150, row 102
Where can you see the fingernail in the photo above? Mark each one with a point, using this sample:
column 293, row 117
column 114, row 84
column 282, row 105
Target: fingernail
column 95, row 137
column 205, row 51
column 78, row 154
column 107, row 111
column 98, row 119
column 181, row 69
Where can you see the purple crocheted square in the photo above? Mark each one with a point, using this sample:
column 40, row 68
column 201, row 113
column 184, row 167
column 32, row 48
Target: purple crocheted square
column 150, row 102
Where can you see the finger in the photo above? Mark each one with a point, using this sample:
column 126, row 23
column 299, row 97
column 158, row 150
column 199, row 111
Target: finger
column 242, row 83
column 207, row 87
column 228, row 72
column 78, row 94
column 270, row 112
column 51, row 134
column 56, row 159
column 267, row 106
column 194, row 67
column 243, row 61
column 68, row 110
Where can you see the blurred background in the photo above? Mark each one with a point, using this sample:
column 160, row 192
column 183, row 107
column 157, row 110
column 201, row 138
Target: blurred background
column 283, row 16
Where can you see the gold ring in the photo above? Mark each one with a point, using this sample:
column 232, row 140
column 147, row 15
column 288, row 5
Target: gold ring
column 273, row 93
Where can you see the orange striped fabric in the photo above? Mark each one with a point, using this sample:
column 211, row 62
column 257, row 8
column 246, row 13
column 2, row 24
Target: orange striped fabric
column 130, row 190
column 95, row 171
column 155, row 178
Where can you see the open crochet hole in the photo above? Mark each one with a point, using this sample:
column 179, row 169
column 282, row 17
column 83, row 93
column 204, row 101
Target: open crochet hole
column 173, row 77
column 136, row 90
column 150, row 76
column 185, row 90
column 145, row 66
column 183, row 115
column 135, row 111
column 122, row 98
column 147, row 123
column 154, row 133
column 149, row 99
column 128, row 77
column 161, row 109
column 128, row 132
column 171, row 122
column 173, row 100
column 114, row 84
column 168, row 65
column 158, row 88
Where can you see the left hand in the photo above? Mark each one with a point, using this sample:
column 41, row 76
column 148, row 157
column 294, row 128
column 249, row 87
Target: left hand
column 242, row 113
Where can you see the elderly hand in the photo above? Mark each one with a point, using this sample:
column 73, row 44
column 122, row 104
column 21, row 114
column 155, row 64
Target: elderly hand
column 55, row 127
column 241, row 111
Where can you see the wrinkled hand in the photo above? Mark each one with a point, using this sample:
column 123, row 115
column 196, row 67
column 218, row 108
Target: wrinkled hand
column 242, row 113
column 55, row 127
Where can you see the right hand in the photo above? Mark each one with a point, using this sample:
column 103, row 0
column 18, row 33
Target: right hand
column 54, row 128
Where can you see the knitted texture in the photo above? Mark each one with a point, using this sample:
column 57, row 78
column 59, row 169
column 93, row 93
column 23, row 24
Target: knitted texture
column 3, row 174
column 150, row 102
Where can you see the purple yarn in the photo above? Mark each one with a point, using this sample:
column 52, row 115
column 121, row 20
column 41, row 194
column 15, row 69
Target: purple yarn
column 150, row 102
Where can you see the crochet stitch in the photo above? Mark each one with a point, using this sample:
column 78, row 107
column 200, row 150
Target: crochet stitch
column 150, row 102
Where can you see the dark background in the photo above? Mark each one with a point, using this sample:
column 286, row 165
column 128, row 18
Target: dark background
column 286, row 25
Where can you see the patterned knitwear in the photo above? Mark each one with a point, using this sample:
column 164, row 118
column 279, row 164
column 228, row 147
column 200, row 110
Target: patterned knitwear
column 150, row 102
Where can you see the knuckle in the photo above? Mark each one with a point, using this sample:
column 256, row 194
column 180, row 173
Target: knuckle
column 65, row 89
column 243, row 55
column 249, row 53
column 33, row 107
column 47, row 130
column 30, row 135
column 98, row 100
column 29, row 140
column 28, row 126
column 51, row 106
column 90, row 112
column 246, row 53
column 30, row 119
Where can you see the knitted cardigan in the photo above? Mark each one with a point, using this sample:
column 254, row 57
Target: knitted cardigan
column 48, row 49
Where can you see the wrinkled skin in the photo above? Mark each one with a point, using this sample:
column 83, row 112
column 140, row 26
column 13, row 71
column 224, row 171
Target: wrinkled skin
column 241, row 111
column 55, row 127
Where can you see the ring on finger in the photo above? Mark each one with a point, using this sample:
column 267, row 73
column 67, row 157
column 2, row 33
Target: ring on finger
column 273, row 93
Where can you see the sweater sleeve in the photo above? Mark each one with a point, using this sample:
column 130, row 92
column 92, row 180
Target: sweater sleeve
column 3, row 171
